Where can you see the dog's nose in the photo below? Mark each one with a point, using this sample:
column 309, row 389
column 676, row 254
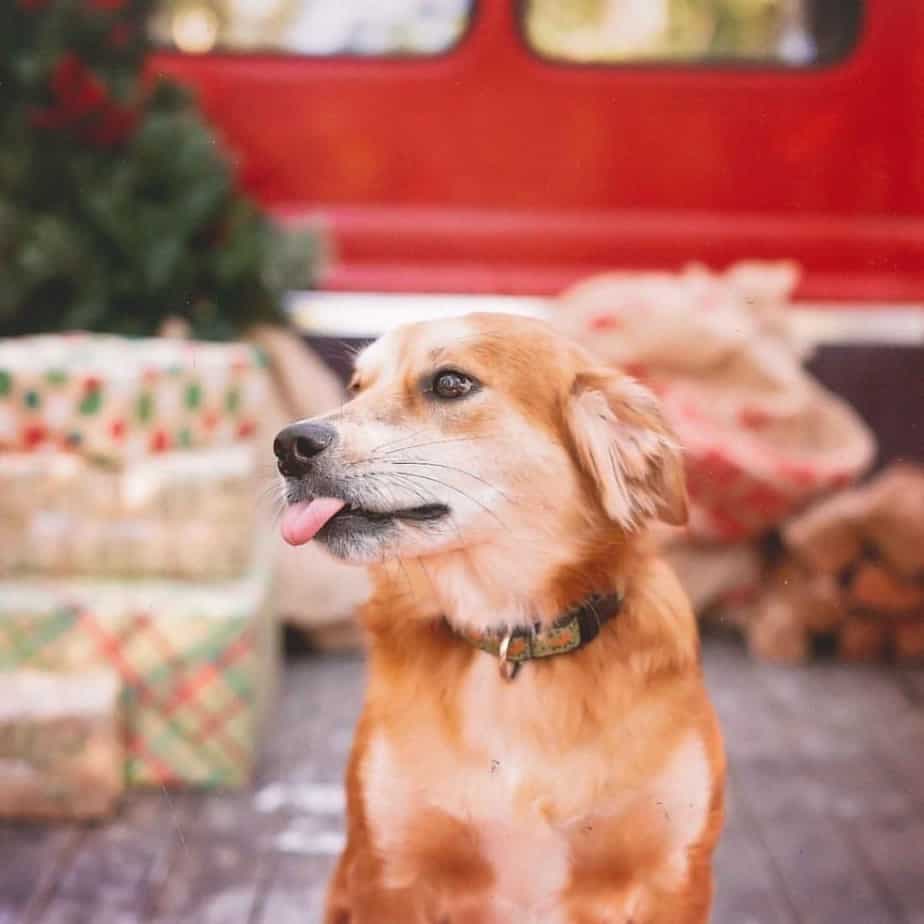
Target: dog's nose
column 298, row 444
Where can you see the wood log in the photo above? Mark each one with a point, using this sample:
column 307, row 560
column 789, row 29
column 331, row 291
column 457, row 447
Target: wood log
column 824, row 605
column 827, row 538
column 908, row 639
column 893, row 518
column 874, row 588
column 777, row 633
column 862, row 639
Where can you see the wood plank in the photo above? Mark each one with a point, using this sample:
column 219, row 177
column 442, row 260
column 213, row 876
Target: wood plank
column 209, row 882
column 747, row 883
column 912, row 680
column 68, row 911
column 111, row 868
column 296, row 888
column 824, row 812
column 320, row 703
column 32, row 857
column 895, row 849
column 865, row 712
column 837, row 750
column 877, row 814
column 825, row 880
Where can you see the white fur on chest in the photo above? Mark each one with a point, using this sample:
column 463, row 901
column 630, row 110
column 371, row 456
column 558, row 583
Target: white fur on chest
column 523, row 804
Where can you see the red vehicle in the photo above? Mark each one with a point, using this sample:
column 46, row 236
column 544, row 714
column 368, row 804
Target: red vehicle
column 491, row 170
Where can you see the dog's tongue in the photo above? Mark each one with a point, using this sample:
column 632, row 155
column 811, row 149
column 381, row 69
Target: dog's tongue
column 302, row 521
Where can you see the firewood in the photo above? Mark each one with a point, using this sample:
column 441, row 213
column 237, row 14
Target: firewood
column 893, row 518
column 825, row 608
column 908, row 639
column 827, row 538
column 777, row 632
column 862, row 639
column 874, row 588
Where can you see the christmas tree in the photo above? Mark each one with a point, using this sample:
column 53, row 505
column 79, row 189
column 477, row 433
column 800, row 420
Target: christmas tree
column 118, row 206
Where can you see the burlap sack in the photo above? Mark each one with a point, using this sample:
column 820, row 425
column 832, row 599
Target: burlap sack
column 761, row 437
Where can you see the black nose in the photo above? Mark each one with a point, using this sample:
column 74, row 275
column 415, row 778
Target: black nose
column 298, row 444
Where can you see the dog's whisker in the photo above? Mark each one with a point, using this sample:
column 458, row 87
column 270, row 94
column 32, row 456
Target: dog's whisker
column 441, row 442
column 401, row 439
column 412, row 590
column 452, row 468
column 459, row 491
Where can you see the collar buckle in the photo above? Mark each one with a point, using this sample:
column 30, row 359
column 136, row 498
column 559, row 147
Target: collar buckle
column 508, row 667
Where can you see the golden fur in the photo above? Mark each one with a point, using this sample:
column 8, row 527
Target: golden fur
column 589, row 789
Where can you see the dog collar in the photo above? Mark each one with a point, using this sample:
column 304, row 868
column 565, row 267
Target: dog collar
column 571, row 631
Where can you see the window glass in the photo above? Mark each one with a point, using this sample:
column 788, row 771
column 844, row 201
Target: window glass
column 788, row 32
column 313, row 27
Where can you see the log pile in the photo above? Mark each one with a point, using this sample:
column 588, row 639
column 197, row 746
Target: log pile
column 848, row 578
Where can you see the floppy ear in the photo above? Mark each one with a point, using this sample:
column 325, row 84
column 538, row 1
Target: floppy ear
column 628, row 450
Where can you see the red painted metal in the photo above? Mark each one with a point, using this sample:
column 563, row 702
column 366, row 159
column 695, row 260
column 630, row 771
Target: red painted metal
column 489, row 169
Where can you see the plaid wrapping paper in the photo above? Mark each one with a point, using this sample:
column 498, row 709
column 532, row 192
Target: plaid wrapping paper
column 197, row 664
column 115, row 399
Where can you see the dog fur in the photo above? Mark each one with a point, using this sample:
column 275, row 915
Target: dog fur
column 589, row 789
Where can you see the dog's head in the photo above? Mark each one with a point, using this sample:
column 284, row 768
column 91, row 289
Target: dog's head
column 462, row 430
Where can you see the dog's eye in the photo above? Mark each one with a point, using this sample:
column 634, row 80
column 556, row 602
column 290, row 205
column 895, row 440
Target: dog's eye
column 354, row 385
column 450, row 385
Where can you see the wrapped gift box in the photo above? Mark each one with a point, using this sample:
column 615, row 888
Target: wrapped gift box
column 215, row 484
column 186, row 515
column 60, row 744
column 197, row 664
column 63, row 545
column 116, row 399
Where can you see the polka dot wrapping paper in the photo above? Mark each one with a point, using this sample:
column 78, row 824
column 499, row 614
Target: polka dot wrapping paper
column 115, row 399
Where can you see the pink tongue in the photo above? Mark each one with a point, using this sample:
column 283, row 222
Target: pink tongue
column 301, row 521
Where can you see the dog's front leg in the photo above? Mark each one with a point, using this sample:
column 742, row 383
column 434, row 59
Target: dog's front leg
column 358, row 895
column 644, row 902
column 337, row 906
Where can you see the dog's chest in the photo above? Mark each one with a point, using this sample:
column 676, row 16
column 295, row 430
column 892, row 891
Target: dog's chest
column 498, row 791
column 523, row 801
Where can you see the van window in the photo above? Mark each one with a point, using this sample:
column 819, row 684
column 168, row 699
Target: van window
column 364, row 28
column 783, row 32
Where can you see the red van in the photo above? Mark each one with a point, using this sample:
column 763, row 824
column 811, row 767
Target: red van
column 508, row 154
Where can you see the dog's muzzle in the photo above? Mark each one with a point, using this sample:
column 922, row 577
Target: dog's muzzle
column 299, row 445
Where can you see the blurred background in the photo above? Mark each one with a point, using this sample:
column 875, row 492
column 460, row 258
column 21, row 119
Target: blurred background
column 207, row 205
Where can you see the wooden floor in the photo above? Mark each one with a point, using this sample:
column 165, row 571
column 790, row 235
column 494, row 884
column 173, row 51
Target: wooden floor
column 826, row 822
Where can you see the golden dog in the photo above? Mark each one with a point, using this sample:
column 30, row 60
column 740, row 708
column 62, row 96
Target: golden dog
column 536, row 743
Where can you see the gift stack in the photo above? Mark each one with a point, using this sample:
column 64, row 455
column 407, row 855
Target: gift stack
column 136, row 635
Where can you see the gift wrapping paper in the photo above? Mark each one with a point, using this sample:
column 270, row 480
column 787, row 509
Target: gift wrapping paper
column 60, row 744
column 186, row 515
column 116, row 399
column 197, row 664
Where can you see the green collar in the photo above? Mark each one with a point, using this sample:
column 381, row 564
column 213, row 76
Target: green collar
column 573, row 630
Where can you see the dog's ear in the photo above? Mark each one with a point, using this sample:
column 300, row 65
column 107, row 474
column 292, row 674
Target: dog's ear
column 626, row 447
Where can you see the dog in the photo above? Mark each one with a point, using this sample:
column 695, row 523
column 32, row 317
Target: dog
column 536, row 743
